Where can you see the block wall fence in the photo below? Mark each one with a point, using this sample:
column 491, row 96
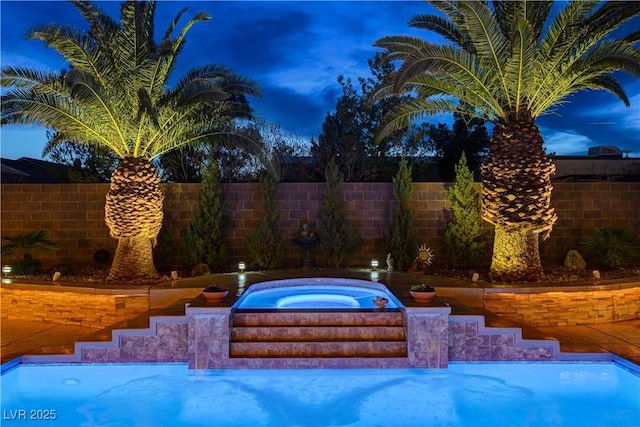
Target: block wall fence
column 73, row 216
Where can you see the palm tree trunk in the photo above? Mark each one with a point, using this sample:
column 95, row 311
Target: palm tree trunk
column 133, row 213
column 133, row 259
column 516, row 199
column 516, row 257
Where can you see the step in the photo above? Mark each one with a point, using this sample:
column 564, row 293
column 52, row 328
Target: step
column 318, row 349
column 318, row 318
column 317, row 333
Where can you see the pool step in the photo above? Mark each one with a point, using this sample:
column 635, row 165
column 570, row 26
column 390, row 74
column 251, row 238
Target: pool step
column 318, row 318
column 278, row 334
column 317, row 333
column 320, row 349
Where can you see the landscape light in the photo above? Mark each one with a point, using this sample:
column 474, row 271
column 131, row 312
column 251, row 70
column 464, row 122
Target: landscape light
column 6, row 270
column 241, row 267
column 374, row 264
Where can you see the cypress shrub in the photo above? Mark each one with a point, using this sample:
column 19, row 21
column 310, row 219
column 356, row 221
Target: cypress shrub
column 401, row 236
column 337, row 232
column 266, row 244
column 462, row 237
column 205, row 234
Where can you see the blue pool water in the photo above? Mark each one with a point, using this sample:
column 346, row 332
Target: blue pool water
column 315, row 293
column 479, row 394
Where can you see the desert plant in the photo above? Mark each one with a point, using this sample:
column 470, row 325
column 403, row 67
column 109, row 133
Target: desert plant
column 337, row 232
column 462, row 237
column 612, row 247
column 401, row 236
column 205, row 234
column 23, row 247
column 266, row 244
column 509, row 63
column 122, row 93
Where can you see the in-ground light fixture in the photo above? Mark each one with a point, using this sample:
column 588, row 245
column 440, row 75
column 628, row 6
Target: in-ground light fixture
column 6, row 271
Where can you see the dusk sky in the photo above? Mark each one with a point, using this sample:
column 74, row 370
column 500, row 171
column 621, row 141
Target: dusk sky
column 296, row 50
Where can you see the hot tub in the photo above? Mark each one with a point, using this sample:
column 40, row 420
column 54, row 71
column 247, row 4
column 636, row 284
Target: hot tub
column 315, row 293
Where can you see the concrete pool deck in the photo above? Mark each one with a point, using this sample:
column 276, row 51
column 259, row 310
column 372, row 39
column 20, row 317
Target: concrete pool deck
column 19, row 337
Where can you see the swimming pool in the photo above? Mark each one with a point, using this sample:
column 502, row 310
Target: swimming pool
column 316, row 293
column 479, row 394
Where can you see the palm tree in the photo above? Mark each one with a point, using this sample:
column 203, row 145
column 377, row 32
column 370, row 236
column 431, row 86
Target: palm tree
column 509, row 62
column 117, row 95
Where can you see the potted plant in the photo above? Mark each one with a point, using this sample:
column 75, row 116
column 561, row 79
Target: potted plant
column 422, row 293
column 214, row 293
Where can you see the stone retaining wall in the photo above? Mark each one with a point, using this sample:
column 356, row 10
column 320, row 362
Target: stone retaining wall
column 71, row 308
column 563, row 308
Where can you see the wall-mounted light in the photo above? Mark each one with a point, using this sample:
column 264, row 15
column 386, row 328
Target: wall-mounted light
column 241, row 267
column 374, row 264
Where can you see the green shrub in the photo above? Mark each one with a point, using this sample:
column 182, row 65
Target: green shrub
column 401, row 237
column 205, row 234
column 337, row 232
column 266, row 244
column 23, row 247
column 612, row 247
column 462, row 236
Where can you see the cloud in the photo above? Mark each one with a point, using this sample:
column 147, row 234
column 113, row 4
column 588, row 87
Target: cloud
column 616, row 114
column 567, row 143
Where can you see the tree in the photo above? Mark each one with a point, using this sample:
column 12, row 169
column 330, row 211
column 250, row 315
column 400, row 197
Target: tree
column 347, row 134
column 462, row 237
column 204, row 239
column 508, row 62
column 402, row 235
column 118, row 96
column 468, row 135
column 90, row 163
column 337, row 232
column 237, row 163
column 266, row 244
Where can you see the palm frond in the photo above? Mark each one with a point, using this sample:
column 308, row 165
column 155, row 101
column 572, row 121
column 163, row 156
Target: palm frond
column 490, row 43
column 609, row 84
column 412, row 110
column 510, row 59
column 441, row 26
column 117, row 93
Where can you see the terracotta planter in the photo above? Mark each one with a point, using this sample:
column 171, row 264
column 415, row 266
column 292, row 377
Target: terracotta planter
column 215, row 296
column 421, row 296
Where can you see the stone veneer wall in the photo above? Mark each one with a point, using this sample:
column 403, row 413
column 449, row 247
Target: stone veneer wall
column 209, row 335
column 165, row 341
column 201, row 338
column 73, row 216
column 471, row 341
column 71, row 308
column 535, row 307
